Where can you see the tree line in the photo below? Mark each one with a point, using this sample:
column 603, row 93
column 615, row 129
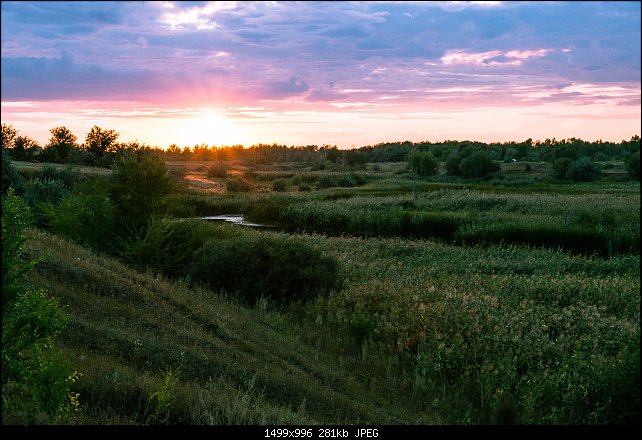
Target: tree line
column 102, row 148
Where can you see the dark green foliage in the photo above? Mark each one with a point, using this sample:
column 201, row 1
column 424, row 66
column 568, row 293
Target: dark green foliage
column 256, row 267
column 239, row 184
column 333, row 154
column 167, row 246
column 327, row 181
column 24, row 148
column 15, row 219
column 279, row 185
column 42, row 195
column 361, row 327
column 219, row 169
column 45, row 190
column 10, row 177
column 355, row 158
column 452, row 165
column 346, row 181
column 478, row 165
column 68, row 175
column 583, row 170
column 575, row 239
column 560, row 168
column 633, row 165
column 423, row 164
column 87, row 216
column 35, row 376
column 138, row 184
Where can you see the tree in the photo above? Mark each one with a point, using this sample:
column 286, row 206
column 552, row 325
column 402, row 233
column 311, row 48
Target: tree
column 477, row 165
column 24, row 148
column 139, row 182
column 560, row 168
column 8, row 135
column 100, row 141
column 333, row 154
column 423, row 164
column 633, row 165
column 452, row 164
column 60, row 144
column 355, row 158
column 583, row 170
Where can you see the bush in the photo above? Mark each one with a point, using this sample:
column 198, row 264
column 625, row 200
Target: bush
column 583, row 170
column 304, row 187
column 217, row 170
column 279, row 269
column 42, row 195
column 423, row 164
column 35, row 376
column 239, row 184
column 167, row 246
column 87, row 216
column 478, row 165
column 279, row 185
column 560, row 168
column 632, row 164
column 452, row 165
column 138, row 184
column 45, row 190
column 68, row 175
column 10, row 177
column 346, row 181
column 327, row 181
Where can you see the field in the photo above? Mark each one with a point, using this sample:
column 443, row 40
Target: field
column 511, row 300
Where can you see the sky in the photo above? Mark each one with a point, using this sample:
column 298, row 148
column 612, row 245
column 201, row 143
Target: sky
column 322, row 73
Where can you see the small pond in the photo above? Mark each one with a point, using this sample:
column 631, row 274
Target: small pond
column 237, row 219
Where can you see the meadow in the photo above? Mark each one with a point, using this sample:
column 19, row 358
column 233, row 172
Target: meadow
column 374, row 297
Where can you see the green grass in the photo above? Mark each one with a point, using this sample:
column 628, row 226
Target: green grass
column 513, row 300
column 238, row 364
column 374, row 352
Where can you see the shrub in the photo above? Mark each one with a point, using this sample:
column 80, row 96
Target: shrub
column 253, row 267
column 560, row 168
column 35, row 376
column 239, row 184
column 45, row 190
column 477, row 165
column 346, row 181
column 167, row 246
column 583, row 170
column 10, row 177
column 279, row 185
column 327, row 181
column 138, row 184
column 423, row 164
column 304, row 187
column 632, row 164
column 219, row 169
column 452, row 165
column 87, row 216
column 69, row 176
column 42, row 195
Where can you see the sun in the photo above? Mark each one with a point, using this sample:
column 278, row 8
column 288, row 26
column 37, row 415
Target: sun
column 208, row 127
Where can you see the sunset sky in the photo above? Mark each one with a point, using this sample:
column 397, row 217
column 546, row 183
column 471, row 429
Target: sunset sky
column 341, row 73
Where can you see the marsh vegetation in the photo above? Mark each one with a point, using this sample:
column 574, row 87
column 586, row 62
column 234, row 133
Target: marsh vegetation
column 389, row 292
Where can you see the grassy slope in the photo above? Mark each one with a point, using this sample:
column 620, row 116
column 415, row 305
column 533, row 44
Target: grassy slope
column 238, row 365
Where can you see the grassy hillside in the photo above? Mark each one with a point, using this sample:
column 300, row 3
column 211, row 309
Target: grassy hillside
column 236, row 365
